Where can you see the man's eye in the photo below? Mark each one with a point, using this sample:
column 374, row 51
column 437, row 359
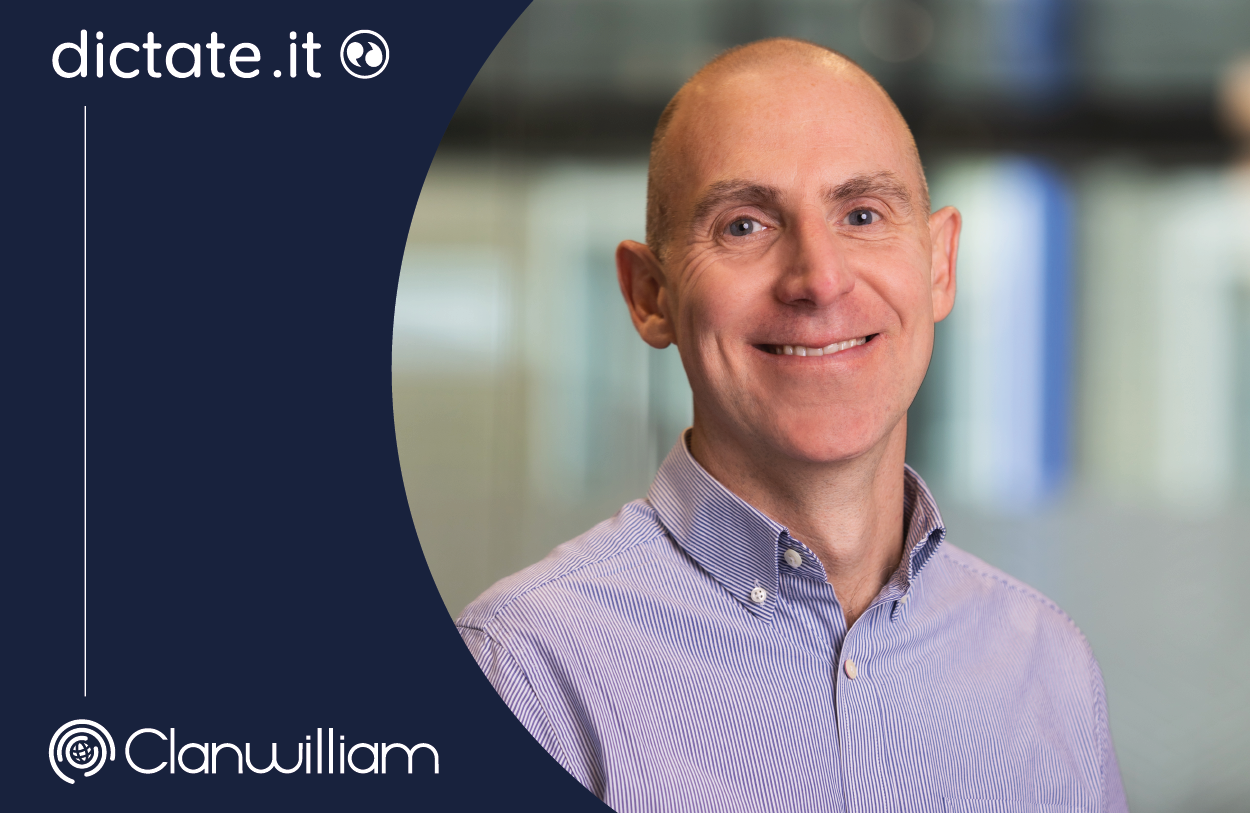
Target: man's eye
column 862, row 217
column 744, row 226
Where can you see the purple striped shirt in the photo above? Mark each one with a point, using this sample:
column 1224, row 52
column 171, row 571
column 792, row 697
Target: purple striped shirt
column 690, row 655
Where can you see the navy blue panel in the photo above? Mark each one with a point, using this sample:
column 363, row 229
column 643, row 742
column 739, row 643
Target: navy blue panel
column 253, row 569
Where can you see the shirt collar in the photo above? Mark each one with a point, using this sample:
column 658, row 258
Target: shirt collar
column 741, row 548
column 925, row 533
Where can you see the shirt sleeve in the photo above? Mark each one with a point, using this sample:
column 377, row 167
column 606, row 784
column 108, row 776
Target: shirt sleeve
column 1113, row 798
column 510, row 681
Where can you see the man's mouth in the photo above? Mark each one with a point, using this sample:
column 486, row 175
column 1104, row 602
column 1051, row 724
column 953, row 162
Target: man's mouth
column 827, row 350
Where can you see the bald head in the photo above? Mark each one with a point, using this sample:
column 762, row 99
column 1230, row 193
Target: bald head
column 778, row 62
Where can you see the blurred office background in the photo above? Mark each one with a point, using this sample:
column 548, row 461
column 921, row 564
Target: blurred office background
column 1086, row 420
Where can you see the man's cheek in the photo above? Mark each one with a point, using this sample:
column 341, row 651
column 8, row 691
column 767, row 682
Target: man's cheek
column 698, row 272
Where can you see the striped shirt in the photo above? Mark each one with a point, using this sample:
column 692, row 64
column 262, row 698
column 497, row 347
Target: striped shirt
column 690, row 655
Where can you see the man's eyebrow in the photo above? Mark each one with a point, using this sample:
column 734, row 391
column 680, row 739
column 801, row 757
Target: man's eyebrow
column 734, row 191
column 878, row 184
column 884, row 184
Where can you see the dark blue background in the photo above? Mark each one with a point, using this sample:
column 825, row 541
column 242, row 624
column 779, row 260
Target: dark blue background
column 253, row 571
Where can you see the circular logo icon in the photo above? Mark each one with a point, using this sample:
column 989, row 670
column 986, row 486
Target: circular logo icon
column 364, row 54
column 80, row 745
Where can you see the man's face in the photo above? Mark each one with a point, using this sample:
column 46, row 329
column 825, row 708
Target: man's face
column 798, row 274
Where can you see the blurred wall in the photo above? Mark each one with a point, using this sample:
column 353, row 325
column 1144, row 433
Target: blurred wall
column 1085, row 423
column 526, row 407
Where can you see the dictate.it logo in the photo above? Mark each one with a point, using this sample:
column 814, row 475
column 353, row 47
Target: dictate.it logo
column 82, row 745
column 364, row 54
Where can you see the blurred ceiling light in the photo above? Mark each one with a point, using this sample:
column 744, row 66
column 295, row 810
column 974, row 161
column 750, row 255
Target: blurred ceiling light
column 895, row 30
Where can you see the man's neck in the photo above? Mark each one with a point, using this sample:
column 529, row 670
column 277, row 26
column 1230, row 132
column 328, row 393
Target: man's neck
column 849, row 513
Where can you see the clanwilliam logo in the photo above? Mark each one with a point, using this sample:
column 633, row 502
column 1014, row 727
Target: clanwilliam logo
column 82, row 745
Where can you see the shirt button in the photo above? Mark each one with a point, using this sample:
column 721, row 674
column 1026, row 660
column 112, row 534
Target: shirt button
column 903, row 600
column 759, row 595
column 851, row 671
column 793, row 558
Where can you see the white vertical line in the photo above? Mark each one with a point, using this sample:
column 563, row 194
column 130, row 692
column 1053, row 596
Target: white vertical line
column 84, row 400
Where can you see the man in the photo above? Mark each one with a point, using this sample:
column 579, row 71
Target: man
column 780, row 625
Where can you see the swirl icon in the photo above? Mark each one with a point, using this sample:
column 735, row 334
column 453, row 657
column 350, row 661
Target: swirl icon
column 82, row 745
column 364, row 54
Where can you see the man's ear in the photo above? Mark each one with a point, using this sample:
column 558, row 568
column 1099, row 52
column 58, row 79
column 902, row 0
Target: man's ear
column 944, row 226
column 642, row 285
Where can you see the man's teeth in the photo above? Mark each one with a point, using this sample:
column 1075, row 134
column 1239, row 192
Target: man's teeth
column 799, row 350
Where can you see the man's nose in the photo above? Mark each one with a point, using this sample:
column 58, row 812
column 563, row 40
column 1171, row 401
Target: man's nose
column 815, row 272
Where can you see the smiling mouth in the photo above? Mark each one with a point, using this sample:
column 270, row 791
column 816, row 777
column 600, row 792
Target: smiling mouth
column 828, row 350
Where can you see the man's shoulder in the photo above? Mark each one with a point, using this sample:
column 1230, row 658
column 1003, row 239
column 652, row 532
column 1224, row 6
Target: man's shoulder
column 971, row 587
column 628, row 540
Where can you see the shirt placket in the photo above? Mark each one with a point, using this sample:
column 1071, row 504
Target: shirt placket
column 868, row 781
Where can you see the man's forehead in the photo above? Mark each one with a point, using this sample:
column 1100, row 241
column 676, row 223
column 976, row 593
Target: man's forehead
column 768, row 108
column 747, row 124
